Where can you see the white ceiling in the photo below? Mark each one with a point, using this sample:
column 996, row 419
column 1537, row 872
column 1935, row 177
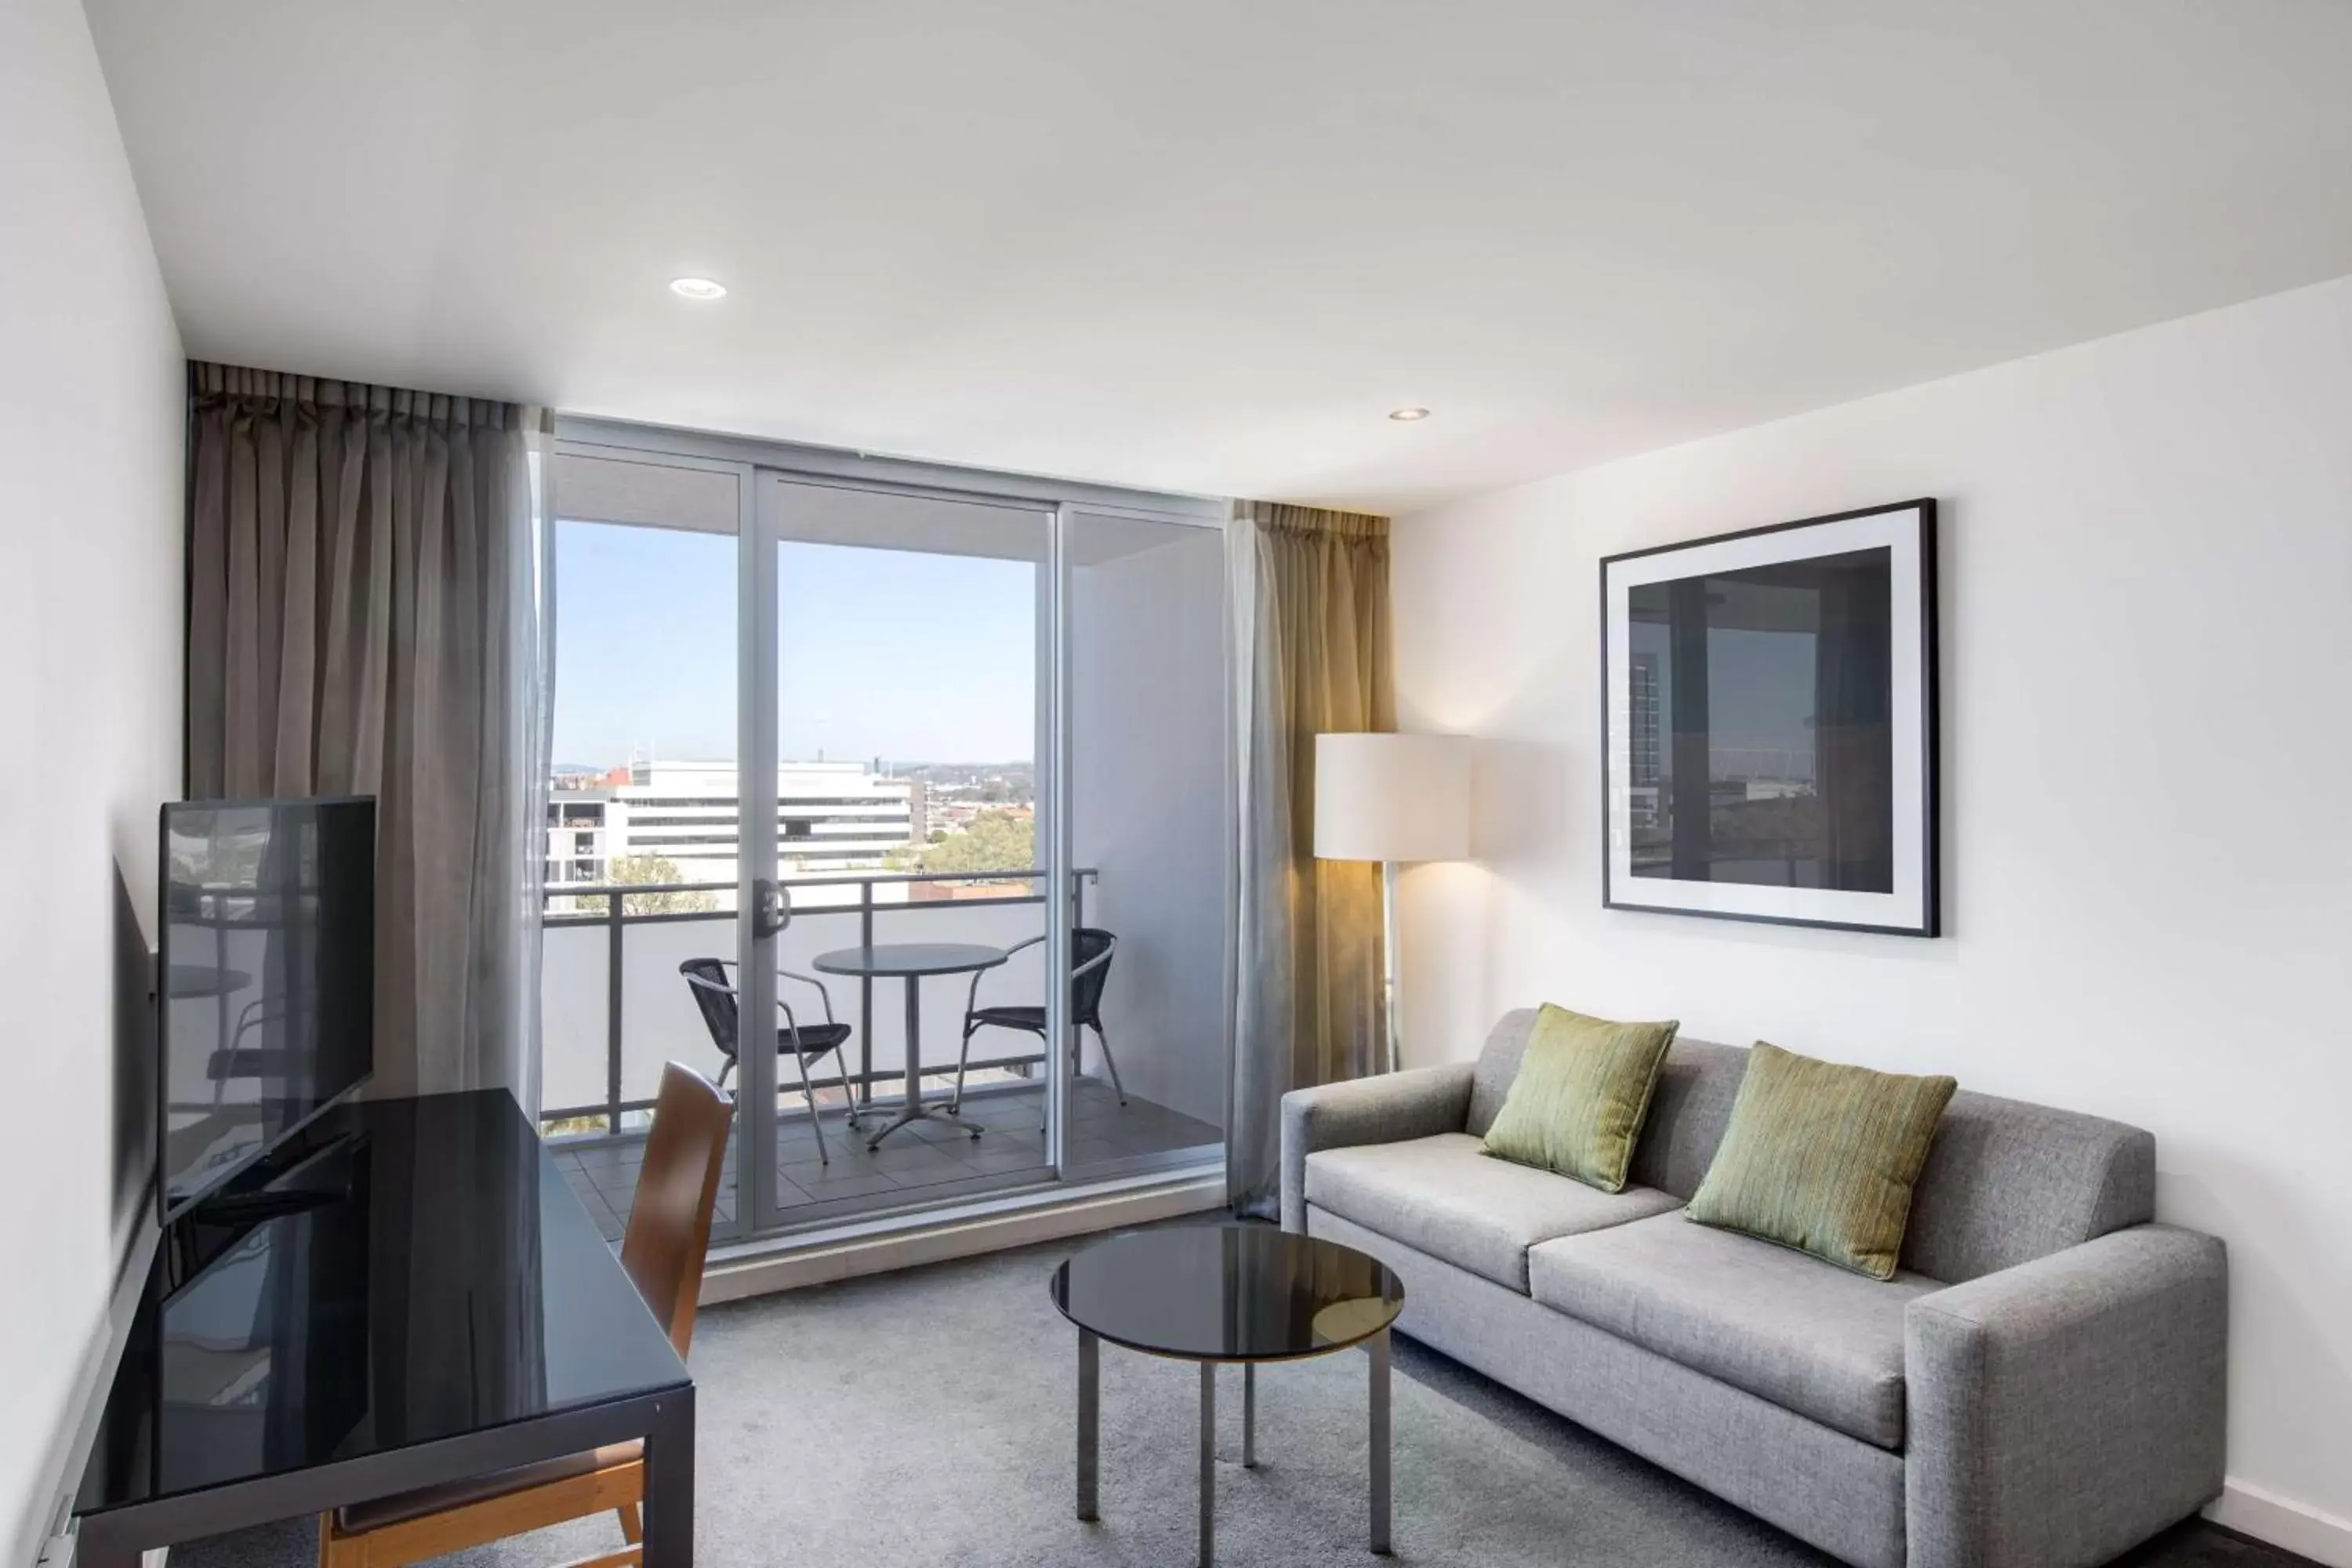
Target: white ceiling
column 1207, row 246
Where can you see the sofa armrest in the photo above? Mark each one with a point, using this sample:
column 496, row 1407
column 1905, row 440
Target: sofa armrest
column 1418, row 1102
column 2065, row 1410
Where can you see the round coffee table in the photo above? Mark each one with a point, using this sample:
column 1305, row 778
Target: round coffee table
column 1214, row 1294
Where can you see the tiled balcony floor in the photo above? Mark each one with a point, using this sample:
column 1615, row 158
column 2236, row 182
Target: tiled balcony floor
column 930, row 1159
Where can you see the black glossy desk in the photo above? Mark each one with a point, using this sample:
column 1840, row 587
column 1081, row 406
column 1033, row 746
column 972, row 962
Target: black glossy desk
column 449, row 1312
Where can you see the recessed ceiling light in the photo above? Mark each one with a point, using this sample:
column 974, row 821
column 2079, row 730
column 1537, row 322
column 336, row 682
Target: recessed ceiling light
column 698, row 289
column 1407, row 416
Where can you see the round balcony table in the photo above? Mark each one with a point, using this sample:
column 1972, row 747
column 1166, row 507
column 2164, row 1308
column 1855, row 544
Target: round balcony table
column 1218, row 1293
column 912, row 961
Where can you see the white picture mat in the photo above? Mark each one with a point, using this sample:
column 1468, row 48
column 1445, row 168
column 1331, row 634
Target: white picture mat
column 1896, row 531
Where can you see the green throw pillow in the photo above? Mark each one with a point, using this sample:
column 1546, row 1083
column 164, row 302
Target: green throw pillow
column 1582, row 1090
column 1822, row 1157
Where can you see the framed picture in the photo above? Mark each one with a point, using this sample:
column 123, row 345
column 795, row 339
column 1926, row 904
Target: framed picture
column 1769, row 724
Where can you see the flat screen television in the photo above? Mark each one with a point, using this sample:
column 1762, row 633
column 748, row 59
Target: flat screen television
column 267, row 990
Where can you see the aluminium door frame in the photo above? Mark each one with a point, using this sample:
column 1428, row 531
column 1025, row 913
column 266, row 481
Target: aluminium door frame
column 755, row 839
column 900, row 475
column 1060, row 860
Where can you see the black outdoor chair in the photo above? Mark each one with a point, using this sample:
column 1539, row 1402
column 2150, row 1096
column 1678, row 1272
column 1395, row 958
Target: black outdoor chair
column 1090, row 956
column 241, row 1062
column 707, row 978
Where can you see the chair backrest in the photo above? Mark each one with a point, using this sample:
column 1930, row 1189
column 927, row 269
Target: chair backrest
column 716, row 997
column 1087, row 991
column 669, row 1223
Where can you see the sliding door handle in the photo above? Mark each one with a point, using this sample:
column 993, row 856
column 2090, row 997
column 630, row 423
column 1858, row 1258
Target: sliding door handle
column 772, row 907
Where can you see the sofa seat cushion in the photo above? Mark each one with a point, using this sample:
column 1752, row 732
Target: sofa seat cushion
column 1443, row 1196
column 1784, row 1326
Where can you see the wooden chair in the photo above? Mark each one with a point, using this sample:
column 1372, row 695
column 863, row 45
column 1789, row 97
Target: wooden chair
column 663, row 1252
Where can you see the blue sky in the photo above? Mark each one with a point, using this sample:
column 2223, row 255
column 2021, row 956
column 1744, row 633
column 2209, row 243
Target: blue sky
column 887, row 653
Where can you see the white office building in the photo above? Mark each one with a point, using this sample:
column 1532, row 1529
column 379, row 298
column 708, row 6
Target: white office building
column 830, row 818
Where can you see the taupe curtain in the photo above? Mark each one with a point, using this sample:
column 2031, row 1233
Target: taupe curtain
column 1312, row 655
column 358, row 599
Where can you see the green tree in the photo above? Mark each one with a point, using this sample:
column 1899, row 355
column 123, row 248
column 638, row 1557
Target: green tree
column 996, row 841
column 650, row 870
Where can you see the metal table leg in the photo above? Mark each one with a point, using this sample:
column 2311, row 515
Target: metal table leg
column 1089, row 1423
column 1090, row 1428
column 915, row 1110
column 1379, row 1347
column 669, row 1483
column 1249, row 1416
column 1208, row 1464
column 95, row 1547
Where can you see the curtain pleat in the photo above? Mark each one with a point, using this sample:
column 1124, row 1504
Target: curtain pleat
column 1314, row 657
column 207, row 574
column 350, row 608
column 298, row 646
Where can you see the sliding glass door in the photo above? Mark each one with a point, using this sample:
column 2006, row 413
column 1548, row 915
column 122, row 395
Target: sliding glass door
column 836, row 753
column 909, row 701
column 646, row 880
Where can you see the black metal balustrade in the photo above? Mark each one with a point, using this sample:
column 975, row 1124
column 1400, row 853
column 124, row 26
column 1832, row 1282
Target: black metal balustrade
column 616, row 918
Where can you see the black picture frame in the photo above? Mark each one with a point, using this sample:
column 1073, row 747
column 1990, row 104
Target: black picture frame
column 1915, row 908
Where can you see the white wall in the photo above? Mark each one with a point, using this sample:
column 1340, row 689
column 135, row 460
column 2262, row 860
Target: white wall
column 2147, row 657
column 1149, row 787
column 91, row 416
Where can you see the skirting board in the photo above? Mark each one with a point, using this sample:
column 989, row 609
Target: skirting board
column 2250, row 1511
column 961, row 1238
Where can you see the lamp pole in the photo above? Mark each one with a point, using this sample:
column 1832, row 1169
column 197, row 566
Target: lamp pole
column 1392, row 987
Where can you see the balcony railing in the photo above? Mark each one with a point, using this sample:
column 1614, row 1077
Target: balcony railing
column 648, row 1011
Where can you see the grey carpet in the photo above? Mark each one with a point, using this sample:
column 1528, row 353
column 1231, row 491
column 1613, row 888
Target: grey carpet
column 927, row 1417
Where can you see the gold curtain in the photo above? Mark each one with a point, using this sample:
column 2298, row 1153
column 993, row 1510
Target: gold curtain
column 1314, row 654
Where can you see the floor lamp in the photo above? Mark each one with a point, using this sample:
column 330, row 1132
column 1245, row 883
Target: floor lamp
column 1392, row 798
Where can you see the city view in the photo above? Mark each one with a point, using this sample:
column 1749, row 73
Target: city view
column 900, row 675
column 659, row 822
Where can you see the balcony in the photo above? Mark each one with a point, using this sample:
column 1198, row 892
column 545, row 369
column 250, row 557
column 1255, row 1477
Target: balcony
column 615, row 1009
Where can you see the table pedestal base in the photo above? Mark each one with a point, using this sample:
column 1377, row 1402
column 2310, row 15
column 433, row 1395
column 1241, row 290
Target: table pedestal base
column 921, row 1112
column 916, row 1109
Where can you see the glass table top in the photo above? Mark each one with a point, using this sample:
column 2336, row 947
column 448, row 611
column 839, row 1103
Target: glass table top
column 445, row 1280
column 1231, row 1292
column 909, row 958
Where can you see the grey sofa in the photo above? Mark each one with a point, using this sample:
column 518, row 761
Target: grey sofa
column 2040, row 1385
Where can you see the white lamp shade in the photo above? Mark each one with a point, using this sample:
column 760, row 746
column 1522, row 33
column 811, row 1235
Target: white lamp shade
column 1392, row 797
